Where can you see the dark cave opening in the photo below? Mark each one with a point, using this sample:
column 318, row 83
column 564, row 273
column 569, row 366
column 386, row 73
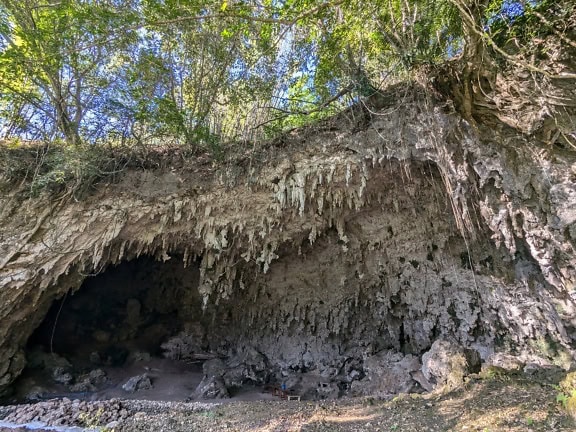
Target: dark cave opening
column 132, row 307
column 114, row 328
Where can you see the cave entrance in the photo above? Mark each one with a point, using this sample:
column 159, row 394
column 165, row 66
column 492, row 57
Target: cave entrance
column 132, row 307
column 113, row 329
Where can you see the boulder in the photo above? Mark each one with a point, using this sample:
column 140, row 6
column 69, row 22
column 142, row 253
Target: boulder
column 35, row 394
column 387, row 373
column 448, row 363
column 505, row 361
column 139, row 382
column 82, row 386
column 89, row 382
column 214, row 368
column 247, row 365
column 97, row 376
column 61, row 375
column 211, row 387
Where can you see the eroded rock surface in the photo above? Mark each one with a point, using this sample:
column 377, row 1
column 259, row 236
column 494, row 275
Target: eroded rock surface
column 448, row 363
column 372, row 235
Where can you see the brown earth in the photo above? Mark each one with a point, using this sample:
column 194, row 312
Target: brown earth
column 503, row 404
column 500, row 403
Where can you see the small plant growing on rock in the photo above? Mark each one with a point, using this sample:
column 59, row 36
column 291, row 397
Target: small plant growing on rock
column 567, row 394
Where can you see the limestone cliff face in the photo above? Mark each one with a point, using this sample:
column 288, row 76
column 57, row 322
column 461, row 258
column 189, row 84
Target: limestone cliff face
column 369, row 232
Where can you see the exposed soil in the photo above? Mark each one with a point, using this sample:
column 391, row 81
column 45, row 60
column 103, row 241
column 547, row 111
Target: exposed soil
column 505, row 403
column 486, row 405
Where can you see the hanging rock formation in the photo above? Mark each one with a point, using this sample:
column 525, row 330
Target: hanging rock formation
column 368, row 233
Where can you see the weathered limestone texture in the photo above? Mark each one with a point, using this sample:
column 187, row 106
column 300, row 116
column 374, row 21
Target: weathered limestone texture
column 370, row 232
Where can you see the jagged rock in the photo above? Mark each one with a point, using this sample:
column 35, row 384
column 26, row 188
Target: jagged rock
column 387, row 373
column 35, row 394
column 136, row 383
column 505, row 361
column 326, row 390
column 419, row 377
column 61, row 375
column 89, row 382
column 97, row 376
column 214, row 368
column 181, row 347
column 211, row 387
column 82, row 386
column 448, row 363
column 248, row 365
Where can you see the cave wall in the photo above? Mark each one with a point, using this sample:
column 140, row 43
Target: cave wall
column 329, row 233
column 402, row 277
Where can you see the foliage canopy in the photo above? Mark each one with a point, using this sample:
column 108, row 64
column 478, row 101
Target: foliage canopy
column 204, row 72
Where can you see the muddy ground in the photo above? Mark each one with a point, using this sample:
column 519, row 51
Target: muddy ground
column 489, row 404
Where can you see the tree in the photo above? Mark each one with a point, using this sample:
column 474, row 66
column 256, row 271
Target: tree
column 203, row 72
column 52, row 64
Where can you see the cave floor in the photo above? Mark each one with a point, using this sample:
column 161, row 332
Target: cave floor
column 486, row 405
column 173, row 381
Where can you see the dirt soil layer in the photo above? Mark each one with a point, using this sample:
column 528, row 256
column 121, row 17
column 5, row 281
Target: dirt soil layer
column 495, row 404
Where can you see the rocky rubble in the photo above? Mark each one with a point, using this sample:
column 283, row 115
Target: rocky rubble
column 66, row 412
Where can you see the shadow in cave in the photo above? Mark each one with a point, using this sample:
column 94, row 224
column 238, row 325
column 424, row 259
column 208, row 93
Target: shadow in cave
column 132, row 307
column 92, row 342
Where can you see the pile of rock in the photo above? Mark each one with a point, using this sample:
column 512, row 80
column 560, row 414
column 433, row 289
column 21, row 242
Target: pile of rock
column 66, row 412
column 89, row 382
column 136, row 383
column 219, row 377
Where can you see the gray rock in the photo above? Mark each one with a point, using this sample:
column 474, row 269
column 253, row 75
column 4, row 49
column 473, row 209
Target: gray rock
column 61, row 375
column 82, row 386
column 35, row 393
column 419, row 377
column 211, row 387
column 387, row 373
column 247, row 365
column 505, row 361
column 214, row 367
column 327, row 390
column 97, row 376
column 447, row 363
column 136, row 383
